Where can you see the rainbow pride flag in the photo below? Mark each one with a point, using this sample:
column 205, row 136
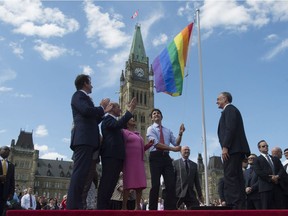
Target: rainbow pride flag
column 168, row 67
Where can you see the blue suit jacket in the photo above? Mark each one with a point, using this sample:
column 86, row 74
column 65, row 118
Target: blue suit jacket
column 86, row 118
column 113, row 143
column 231, row 131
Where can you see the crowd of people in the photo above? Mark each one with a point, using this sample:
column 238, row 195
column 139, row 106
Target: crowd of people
column 264, row 184
column 121, row 148
column 10, row 199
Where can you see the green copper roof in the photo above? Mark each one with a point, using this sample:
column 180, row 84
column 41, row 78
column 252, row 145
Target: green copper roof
column 137, row 52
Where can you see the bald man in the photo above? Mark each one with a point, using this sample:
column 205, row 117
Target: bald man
column 281, row 188
column 186, row 173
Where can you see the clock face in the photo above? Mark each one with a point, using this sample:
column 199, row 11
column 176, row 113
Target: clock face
column 139, row 72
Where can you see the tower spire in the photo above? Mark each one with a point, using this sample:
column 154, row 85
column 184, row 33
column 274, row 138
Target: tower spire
column 137, row 51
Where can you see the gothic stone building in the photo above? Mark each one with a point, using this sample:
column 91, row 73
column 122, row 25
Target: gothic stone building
column 49, row 178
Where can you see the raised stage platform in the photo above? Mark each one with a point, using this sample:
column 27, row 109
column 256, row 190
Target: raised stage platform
column 147, row 213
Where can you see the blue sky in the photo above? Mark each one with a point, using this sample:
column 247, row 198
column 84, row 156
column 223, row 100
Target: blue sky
column 44, row 45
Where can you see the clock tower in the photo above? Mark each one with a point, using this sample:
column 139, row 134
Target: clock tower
column 137, row 81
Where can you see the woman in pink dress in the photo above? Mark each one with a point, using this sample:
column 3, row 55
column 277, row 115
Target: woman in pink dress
column 134, row 176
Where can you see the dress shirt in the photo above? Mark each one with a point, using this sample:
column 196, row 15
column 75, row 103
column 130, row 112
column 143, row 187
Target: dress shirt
column 153, row 133
column 284, row 164
column 25, row 202
column 266, row 157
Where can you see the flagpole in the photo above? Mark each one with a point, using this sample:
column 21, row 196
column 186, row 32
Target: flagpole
column 203, row 113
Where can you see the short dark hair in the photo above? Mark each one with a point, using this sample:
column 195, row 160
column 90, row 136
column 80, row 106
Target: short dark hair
column 80, row 80
column 252, row 154
column 260, row 142
column 228, row 96
column 155, row 109
column 285, row 150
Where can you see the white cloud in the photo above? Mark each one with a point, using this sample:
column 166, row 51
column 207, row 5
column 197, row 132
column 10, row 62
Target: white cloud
column 236, row 15
column 154, row 17
column 109, row 75
column 3, row 131
column 41, row 148
column 161, row 39
column 17, row 49
column 100, row 64
column 6, row 75
column 19, row 95
column 41, row 131
column 112, row 71
column 282, row 47
column 49, row 51
column 86, row 69
column 105, row 27
column 5, row 89
column 46, row 153
column 54, row 156
column 271, row 38
column 31, row 18
column 188, row 10
column 228, row 14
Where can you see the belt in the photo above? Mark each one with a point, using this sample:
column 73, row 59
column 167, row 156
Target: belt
column 159, row 153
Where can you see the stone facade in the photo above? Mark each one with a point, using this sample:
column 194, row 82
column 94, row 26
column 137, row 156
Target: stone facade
column 49, row 178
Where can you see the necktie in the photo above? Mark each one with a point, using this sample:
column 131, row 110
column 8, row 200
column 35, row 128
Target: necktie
column 30, row 201
column 161, row 135
column 186, row 166
column 271, row 164
column 4, row 167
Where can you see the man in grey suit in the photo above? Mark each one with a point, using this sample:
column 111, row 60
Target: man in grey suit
column 187, row 178
column 85, row 137
column 235, row 148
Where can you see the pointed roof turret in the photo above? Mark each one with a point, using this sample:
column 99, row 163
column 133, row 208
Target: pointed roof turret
column 137, row 51
column 25, row 140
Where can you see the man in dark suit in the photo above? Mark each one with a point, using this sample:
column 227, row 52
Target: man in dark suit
column 7, row 178
column 282, row 187
column 251, row 185
column 235, row 147
column 187, row 177
column 85, row 137
column 112, row 151
column 268, row 169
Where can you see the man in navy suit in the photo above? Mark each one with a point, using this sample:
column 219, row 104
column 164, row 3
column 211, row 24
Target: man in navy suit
column 112, row 151
column 235, row 148
column 269, row 169
column 7, row 178
column 187, row 177
column 251, row 185
column 85, row 137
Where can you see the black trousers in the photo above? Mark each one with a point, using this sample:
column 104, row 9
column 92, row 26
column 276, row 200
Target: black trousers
column 111, row 168
column 189, row 200
column 82, row 158
column 234, row 186
column 161, row 164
